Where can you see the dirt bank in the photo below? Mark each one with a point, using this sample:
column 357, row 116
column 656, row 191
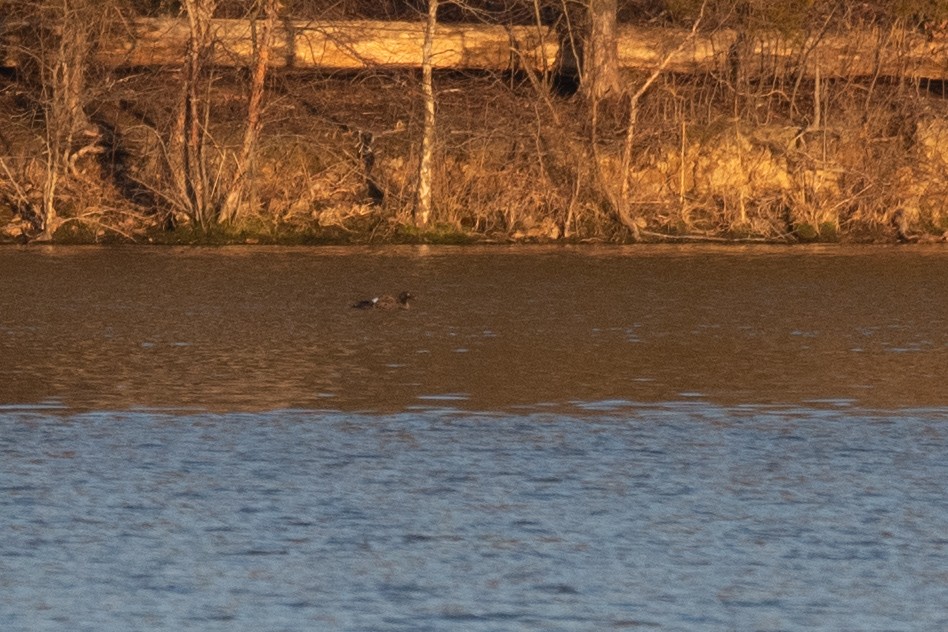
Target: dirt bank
column 855, row 161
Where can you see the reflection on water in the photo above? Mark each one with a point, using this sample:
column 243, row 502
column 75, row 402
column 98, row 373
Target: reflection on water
column 260, row 329
column 550, row 439
column 674, row 517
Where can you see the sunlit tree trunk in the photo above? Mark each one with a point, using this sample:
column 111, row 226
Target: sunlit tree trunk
column 423, row 208
column 243, row 168
column 63, row 58
column 601, row 57
column 188, row 160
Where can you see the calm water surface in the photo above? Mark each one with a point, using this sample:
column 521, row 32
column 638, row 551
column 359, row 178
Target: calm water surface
column 550, row 439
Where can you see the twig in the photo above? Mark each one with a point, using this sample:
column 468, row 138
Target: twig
column 622, row 205
column 691, row 237
column 16, row 185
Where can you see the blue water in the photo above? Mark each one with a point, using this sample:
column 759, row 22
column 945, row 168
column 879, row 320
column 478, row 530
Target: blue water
column 603, row 516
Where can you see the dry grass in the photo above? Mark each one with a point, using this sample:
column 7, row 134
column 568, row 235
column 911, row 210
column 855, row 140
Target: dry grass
column 711, row 160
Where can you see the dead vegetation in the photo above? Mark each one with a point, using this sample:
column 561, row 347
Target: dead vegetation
column 741, row 154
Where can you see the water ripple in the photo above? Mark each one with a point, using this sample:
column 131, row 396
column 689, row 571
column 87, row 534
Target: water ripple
column 677, row 516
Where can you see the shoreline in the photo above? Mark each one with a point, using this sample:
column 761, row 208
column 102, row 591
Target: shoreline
column 337, row 163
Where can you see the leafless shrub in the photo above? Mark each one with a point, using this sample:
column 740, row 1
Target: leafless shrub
column 210, row 189
column 762, row 145
column 54, row 43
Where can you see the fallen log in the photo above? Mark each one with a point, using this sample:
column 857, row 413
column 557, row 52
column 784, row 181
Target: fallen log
column 349, row 45
column 863, row 53
column 357, row 45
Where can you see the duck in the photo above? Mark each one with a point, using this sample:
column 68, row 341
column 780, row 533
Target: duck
column 386, row 302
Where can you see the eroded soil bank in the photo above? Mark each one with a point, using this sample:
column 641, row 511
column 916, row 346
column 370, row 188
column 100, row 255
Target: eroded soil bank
column 518, row 160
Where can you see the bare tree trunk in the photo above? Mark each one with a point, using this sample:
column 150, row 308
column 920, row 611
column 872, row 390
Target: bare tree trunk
column 601, row 56
column 188, row 161
column 423, row 208
column 245, row 160
column 62, row 61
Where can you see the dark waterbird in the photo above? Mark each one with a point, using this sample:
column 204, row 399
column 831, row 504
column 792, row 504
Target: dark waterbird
column 386, row 301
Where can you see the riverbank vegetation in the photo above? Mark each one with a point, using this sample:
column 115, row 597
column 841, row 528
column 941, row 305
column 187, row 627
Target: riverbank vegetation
column 780, row 135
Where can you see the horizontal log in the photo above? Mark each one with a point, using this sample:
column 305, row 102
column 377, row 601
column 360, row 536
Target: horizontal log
column 345, row 45
column 863, row 53
column 356, row 45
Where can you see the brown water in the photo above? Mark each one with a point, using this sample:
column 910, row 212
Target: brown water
column 493, row 327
